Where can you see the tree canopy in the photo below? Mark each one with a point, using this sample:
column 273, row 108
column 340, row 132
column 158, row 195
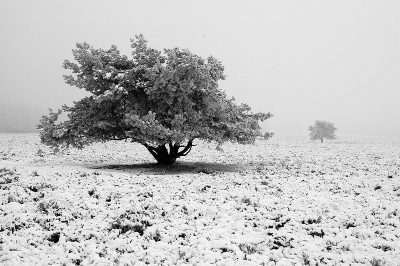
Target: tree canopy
column 163, row 101
column 321, row 130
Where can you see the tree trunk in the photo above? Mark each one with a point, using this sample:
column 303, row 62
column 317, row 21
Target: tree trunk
column 168, row 157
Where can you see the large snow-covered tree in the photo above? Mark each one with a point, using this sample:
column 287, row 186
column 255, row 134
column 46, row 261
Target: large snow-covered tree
column 321, row 130
column 163, row 101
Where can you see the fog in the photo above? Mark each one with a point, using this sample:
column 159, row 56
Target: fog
column 337, row 61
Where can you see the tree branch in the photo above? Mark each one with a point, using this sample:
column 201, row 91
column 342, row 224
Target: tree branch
column 152, row 150
column 187, row 152
column 187, row 149
column 118, row 138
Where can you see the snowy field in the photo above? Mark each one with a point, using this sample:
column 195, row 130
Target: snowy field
column 286, row 201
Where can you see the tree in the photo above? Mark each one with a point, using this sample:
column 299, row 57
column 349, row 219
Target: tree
column 321, row 130
column 163, row 101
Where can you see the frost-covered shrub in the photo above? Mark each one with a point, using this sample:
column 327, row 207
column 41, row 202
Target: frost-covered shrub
column 349, row 224
column 248, row 202
column 14, row 218
column 247, row 248
column 312, row 220
column 204, row 189
column 305, row 258
column 55, row 237
column 14, row 198
column 393, row 213
column 126, row 226
column 8, row 176
column 383, row 247
column 185, row 210
column 40, row 153
column 377, row 262
column 317, row 233
column 136, row 220
column 49, row 206
column 15, row 193
column 156, row 236
column 93, row 193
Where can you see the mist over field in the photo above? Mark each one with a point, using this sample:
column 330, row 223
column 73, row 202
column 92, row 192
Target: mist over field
column 302, row 61
column 19, row 118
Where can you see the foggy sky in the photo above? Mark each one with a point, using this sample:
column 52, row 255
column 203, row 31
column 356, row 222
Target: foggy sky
column 337, row 61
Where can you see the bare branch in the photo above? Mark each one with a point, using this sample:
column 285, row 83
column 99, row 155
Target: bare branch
column 152, row 150
column 118, row 138
column 187, row 148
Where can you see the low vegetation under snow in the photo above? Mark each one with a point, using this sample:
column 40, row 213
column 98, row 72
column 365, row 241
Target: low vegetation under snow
column 285, row 201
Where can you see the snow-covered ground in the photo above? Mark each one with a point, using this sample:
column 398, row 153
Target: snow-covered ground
column 285, row 201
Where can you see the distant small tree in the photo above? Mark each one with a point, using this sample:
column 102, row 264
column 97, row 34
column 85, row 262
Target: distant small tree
column 163, row 101
column 321, row 130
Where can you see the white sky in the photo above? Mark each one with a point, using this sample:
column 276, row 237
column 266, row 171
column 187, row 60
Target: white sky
column 301, row 60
